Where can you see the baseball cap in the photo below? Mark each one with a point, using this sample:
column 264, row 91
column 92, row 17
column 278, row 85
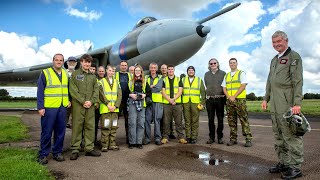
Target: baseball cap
column 71, row 58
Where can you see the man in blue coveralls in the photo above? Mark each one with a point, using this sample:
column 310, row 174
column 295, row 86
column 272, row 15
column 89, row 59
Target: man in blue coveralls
column 52, row 103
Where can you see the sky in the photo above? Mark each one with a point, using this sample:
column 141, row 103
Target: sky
column 31, row 32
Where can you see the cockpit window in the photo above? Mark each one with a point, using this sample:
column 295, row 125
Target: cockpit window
column 144, row 21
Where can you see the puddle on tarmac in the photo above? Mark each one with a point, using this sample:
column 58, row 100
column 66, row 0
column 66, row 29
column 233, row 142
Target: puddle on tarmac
column 205, row 157
column 211, row 161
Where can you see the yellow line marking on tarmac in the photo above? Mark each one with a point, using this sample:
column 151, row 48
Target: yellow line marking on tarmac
column 258, row 125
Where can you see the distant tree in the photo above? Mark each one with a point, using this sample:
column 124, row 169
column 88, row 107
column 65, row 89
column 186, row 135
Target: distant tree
column 260, row 98
column 251, row 97
column 311, row 96
column 4, row 93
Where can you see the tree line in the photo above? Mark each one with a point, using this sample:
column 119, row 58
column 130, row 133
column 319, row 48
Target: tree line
column 4, row 95
column 253, row 97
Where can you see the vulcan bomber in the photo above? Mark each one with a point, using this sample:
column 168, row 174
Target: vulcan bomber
column 166, row 41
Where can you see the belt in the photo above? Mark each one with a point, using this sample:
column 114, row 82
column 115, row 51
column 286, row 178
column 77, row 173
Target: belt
column 215, row 96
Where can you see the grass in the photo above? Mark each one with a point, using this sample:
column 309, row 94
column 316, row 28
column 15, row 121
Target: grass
column 309, row 106
column 11, row 129
column 21, row 164
column 17, row 163
column 18, row 104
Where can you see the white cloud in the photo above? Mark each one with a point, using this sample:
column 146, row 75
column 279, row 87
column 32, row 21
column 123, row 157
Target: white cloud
column 18, row 51
column 237, row 28
column 228, row 30
column 167, row 8
column 86, row 15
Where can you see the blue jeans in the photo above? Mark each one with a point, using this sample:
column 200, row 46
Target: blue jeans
column 153, row 112
column 135, row 123
column 54, row 120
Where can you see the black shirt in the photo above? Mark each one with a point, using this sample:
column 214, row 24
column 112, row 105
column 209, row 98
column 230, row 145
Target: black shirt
column 124, row 79
column 172, row 86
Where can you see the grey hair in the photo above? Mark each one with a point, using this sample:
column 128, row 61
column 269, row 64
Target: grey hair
column 153, row 63
column 215, row 60
column 281, row 34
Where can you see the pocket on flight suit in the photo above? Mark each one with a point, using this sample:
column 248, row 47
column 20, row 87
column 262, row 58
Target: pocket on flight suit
column 106, row 124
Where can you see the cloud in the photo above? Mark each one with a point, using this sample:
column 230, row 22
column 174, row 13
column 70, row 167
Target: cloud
column 167, row 8
column 69, row 3
column 18, row 50
column 232, row 29
column 86, row 15
column 71, row 11
column 238, row 28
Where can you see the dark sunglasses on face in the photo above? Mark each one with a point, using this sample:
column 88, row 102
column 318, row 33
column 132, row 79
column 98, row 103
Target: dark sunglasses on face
column 213, row 63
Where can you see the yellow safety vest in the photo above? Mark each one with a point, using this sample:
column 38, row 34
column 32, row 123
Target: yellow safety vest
column 156, row 96
column 191, row 91
column 131, row 88
column 55, row 92
column 175, row 89
column 233, row 83
column 117, row 76
column 110, row 94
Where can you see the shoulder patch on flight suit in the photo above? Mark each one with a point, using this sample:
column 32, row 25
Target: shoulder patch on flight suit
column 294, row 63
column 283, row 61
column 80, row 77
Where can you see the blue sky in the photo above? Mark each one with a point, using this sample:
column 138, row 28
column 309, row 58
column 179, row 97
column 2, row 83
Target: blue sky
column 37, row 29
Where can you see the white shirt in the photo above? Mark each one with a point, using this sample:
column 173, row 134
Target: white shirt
column 190, row 79
column 243, row 78
column 279, row 55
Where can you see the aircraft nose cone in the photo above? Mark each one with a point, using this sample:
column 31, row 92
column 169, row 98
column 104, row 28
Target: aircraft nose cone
column 202, row 31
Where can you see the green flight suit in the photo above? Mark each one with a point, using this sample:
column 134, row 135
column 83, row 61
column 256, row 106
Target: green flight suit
column 284, row 90
column 83, row 87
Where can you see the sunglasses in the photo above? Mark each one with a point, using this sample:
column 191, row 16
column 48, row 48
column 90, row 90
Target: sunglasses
column 213, row 63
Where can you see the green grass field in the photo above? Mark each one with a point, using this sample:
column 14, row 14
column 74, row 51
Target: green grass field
column 18, row 104
column 21, row 164
column 16, row 163
column 309, row 106
column 11, row 129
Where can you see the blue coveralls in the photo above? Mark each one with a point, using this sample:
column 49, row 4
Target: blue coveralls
column 54, row 120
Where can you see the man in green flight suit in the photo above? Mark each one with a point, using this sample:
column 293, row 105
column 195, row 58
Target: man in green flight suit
column 84, row 91
column 284, row 91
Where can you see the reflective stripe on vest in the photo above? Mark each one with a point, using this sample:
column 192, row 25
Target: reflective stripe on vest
column 175, row 89
column 55, row 92
column 233, row 83
column 156, row 96
column 191, row 92
column 110, row 94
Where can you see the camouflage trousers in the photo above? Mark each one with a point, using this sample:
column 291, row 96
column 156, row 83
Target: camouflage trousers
column 235, row 110
column 109, row 126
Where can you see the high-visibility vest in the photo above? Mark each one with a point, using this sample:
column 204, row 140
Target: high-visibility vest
column 55, row 92
column 131, row 88
column 175, row 89
column 156, row 96
column 233, row 83
column 117, row 76
column 110, row 94
column 191, row 91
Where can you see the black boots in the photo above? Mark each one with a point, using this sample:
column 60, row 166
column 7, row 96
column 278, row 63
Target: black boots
column 291, row 173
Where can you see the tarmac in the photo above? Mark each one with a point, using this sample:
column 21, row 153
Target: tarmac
column 177, row 161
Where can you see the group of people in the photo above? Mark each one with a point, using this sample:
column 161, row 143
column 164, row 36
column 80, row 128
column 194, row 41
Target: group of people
column 165, row 100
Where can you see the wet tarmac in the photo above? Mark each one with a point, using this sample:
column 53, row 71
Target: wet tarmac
column 210, row 161
column 176, row 161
